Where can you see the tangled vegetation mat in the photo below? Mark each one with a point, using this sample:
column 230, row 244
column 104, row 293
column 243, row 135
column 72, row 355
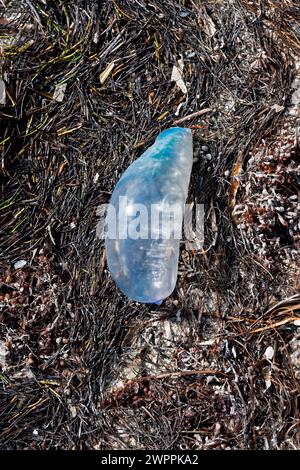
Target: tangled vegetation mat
column 85, row 86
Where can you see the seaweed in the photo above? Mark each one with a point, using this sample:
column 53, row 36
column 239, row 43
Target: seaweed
column 85, row 87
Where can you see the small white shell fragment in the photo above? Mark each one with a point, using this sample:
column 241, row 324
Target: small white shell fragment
column 3, row 353
column 268, row 383
column 20, row 264
column 73, row 411
column 59, row 92
column 176, row 76
column 277, row 108
column 269, row 353
column 2, row 92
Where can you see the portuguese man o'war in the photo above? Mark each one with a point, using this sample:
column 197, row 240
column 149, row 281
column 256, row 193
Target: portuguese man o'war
column 145, row 216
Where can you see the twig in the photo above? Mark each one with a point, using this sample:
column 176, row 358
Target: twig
column 193, row 115
column 182, row 373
